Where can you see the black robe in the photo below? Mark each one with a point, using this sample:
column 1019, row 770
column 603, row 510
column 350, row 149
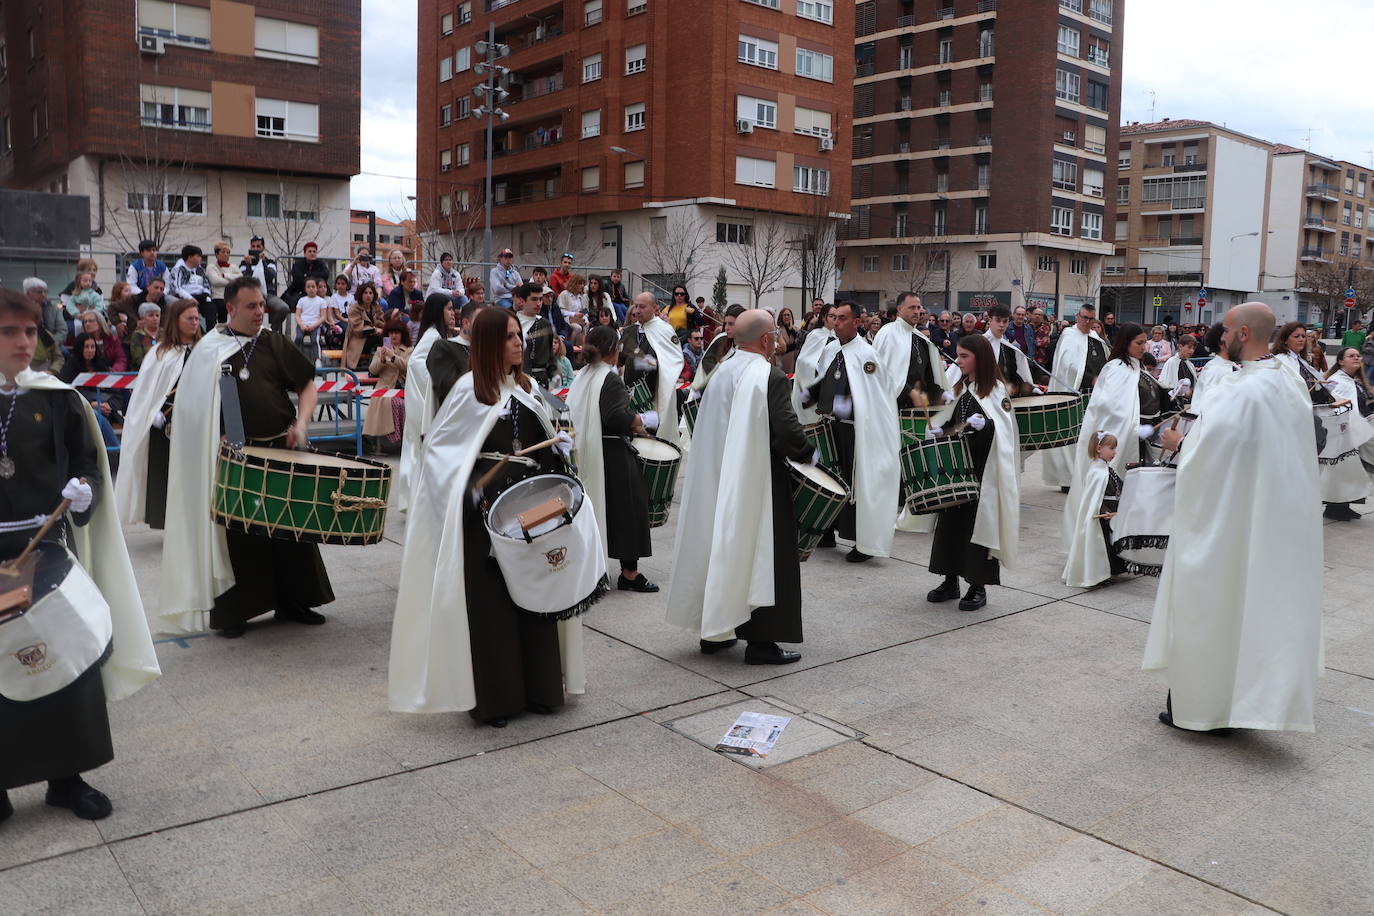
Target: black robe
column 1093, row 364
column 919, row 374
column 540, row 362
column 515, row 656
column 635, row 346
column 952, row 551
column 67, row 732
column 720, row 347
column 833, row 383
column 627, row 499
column 448, row 361
column 1111, row 500
column 270, row 573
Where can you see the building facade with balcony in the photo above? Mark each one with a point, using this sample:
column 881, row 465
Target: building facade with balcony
column 663, row 136
column 981, row 141
column 186, row 122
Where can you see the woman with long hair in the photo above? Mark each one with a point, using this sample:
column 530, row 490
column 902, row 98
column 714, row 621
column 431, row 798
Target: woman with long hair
column 787, row 341
column 599, row 404
column 141, row 487
column 392, row 271
column 386, row 417
column 1290, row 347
column 596, row 298
column 94, row 324
column 436, row 322
column 1314, row 353
column 458, row 643
column 974, row 539
column 365, row 322
column 1349, row 438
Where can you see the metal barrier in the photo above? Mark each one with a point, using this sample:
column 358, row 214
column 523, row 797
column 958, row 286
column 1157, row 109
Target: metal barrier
column 101, row 382
column 341, row 399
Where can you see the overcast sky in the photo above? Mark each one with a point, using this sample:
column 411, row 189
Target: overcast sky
column 1271, row 69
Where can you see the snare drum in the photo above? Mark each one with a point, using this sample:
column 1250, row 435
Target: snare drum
column 1050, row 420
column 937, row 474
column 822, row 439
column 641, row 398
column 818, row 498
column 311, row 497
column 1144, row 518
column 659, row 461
column 556, row 568
column 912, row 422
column 689, row 410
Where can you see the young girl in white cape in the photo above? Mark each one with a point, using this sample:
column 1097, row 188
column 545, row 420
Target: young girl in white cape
column 1091, row 558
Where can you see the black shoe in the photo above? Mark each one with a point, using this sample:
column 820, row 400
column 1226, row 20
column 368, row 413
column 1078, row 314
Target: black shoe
column 79, row 798
column 827, row 541
column 769, row 653
column 233, row 632
column 855, row 556
column 1063, row 489
column 711, row 648
column 948, row 590
column 6, row 809
column 637, row 584
column 299, row 613
column 975, row 598
column 539, row 708
column 1341, row 512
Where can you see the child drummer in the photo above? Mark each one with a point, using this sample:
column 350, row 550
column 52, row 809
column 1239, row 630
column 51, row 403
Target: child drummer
column 1091, row 557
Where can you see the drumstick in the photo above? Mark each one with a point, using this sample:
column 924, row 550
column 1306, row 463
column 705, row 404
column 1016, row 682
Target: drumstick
column 486, row 478
column 12, row 567
column 1105, row 515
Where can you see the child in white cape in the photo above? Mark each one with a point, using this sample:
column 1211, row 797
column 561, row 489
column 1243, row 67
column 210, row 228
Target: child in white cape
column 1091, row 558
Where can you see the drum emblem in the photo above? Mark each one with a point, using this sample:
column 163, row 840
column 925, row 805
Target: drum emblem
column 33, row 657
column 557, row 558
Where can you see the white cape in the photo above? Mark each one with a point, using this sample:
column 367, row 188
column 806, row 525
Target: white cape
column 1170, row 372
column 1115, row 409
column 893, row 344
column 195, row 555
column 877, row 469
column 1237, row 625
column 419, row 413
column 103, row 554
column 1088, row 563
column 1022, row 364
column 584, row 408
column 723, row 561
column 158, row 375
column 430, row 668
column 998, row 523
column 1340, row 468
column 670, row 360
column 1070, row 359
column 817, row 350
column 1216, row 369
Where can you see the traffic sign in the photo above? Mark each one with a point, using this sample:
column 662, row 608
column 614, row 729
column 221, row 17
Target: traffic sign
column 1159, row 301
column 1202, row 293
column 1350, row 293
column 1350, row 303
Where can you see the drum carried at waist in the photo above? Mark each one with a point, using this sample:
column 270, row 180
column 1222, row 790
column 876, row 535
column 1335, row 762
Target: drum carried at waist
column 659, row 461
column 1144, row 517
column 821, row 435
column 641, row 398
column 312, row 497
column 912, row 422
column 937, row 474
column 1051, row 420
column 689, row 410
column 545, row 539
column 818, row 498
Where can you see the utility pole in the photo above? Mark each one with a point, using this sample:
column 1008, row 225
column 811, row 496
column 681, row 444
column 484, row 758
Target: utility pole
column 492, row 92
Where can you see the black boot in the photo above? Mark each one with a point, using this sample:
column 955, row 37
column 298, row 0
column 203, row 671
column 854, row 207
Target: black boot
column 709, row 647
column 76, row 796
column 234, row 631
column 1340, row 512
column 948, row 590
column 299, row 613
column 975, row 598
column 769, row 653
column 855, row 556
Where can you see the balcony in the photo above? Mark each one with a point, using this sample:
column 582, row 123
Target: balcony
column 986, row 6
column 1101, row 10
column 1318, row 224
column 983, row 140
column 1185, row 240
column 1320, row 255
column 986, row 48
column 905, row 22
column 541, row 86
column 865, row 68
column 1323, row 191
column 945, row 13
column 1100, row 58
column 940, row 143
column 1073, row 6
column 1196, row 165
column 1114, row 270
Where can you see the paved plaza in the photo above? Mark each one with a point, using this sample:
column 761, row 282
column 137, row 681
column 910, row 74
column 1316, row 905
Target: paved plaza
column 1007, row 761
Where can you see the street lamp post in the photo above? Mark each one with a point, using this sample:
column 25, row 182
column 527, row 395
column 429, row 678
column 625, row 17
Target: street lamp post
column 492, row 93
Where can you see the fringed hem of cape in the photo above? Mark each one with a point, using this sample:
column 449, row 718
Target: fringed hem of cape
column 577, row 610
column 1143, row 569
column 1142, row 542
column 1337, row 459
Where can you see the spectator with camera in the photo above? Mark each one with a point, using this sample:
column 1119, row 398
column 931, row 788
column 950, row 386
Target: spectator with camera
column 361, row 270
column 259, row 266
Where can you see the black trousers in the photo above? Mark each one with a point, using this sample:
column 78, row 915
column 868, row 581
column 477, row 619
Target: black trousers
column 846, row 526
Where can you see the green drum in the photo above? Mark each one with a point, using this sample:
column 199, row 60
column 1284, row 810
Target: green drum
column 1050, row 420
column 912, row 422
column 822, row 439
column 659, row 461
column 641, row 398
column 817, row 499
column 300, row 496
column 689, row 410
column 937, row 474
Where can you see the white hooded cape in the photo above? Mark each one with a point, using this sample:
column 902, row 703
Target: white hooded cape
column 1022, row 364
column 998, row 523
column 419, row 413
column 159, row 374
column 877, row 470
column 1340, row 469
column 1070, row 358
column 103, row 554
column 723, row 561
column 670, row 360
column 195, row 555
column 1088, row 563
column 1114, row 409
column 1237, row 625
column 893, row 345
column 817, row 350
column 1170, row 372
column 430, row 668
column 584, row 408
column 1216, row 369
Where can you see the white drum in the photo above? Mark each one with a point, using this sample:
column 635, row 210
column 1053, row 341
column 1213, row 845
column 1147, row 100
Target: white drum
column 1343, row 478
column 558, row 567
column 65, row 630
column 1144, row 518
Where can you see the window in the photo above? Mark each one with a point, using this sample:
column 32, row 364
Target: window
column 1068, row 41
column 464, row 153
column 815, row 65
column 6, row 139
column 1092, row 182
column 591, row 68
column 1064, row 175
column 288, row 120
column 591, row 178
column 1167, row 156
column 771, row 4
column 465, row 14
column 462, row 59
column 187, row 196
column 1101, row 10
column 938, row 226
column 168, row 106
column 819, row 10
column 634, row 117
column 1183, row 193
column 809, row 180
column 264, row 205
column 1097, row 95
column 984, row 176
column 987, row 260
column 1123, row 192
column 1359, row 217
column 445, row 115
column 634, row 174
column 760, row 112
column 591, row 124
column 980, row 220
column 635, row 7
column 4, row 60
column 591, row 12
column 812, row 121
column 445, row 69
column 941, row 182
column 282, row 40
column 758, row 172
column 1123, row 159
column 1345, row 215
column 985, row 92
column 176, row 22
column 899, row 225
column 1100, row 52
column 635, row 59
column 1123, row 229
column 905, row 59
column 870, row 264
column 1358, row 193
column 462, row 107
column 445, row 205
column 445, row 160
column 945, row 54
column 1045, row 263
column 446, row 24
column 901, row 262
column 462, row 200
column 1066, row 85
column 36, row 125
column 758, row 51
column 1094, row 138
column 1061, row 220
column 734, row 233
column 1092, row 225
column 1078, row 266
column 1345, row 244
column 985, row 43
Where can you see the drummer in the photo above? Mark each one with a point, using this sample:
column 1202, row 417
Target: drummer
column 458, row 643
column 50, row 451
column 600, row 406
column 736, row 574
column 1011, row 361
column 451, row 355
column 650, row 351
column 913, row 362
column 1342, row 473
column 1177, row 368
column 720, row 347
column 818, row 348
column 233, row 575
column 436, row 322
column 973, row 540
column 1079, row 358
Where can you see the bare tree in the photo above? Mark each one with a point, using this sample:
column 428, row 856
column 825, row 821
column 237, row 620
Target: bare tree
column 763, row 261
column 672, row 250
column 815, row 249
column 458, row 232
column 160, row 191
column 555, row 238
column 1088, row 285
column 1327, row 283
column 291, row 218
column 930, row 269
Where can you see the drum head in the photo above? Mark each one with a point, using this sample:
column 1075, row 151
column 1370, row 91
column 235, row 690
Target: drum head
column 503, row 518
column 654, row 449
column 297, row 456
column 819, row 477
column 1043, row 400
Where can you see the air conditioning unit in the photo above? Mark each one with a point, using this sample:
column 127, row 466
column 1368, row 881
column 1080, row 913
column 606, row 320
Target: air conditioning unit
column 827, row 144
column 152, row 44
column 744, row 126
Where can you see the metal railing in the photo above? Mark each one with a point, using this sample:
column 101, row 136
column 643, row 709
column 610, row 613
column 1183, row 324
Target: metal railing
column 342, row 405
column 1327, row 190
column 986, row 6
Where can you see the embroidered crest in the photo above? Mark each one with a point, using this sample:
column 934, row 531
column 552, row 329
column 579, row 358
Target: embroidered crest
column 1006, row 403
column 33, row 657
column 870, row 367
column 557, row 558
column 37, row 417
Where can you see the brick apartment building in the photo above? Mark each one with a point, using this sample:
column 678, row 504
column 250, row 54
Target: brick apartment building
column 194, row 121
column 981, row 141
column 646, row 133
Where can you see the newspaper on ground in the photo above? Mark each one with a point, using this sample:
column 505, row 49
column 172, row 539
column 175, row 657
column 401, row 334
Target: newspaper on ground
column 753, row 734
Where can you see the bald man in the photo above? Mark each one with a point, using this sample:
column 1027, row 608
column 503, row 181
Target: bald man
column 1236, row 632
column 650, row 352
column 736, row 574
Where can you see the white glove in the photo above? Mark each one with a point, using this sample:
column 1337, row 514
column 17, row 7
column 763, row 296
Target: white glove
column 79, row 493
column 816, row 457
column 564, row 443
column 159, row 420
column 1145, row 431
column 843, row 408
column 934, row 432
column 977, row 422
column 1038, row 389
column 946, row 397
column 1182, row 388
column 650, row 418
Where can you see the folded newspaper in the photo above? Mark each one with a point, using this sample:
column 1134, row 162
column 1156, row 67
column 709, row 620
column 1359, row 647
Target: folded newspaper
column 753, row 734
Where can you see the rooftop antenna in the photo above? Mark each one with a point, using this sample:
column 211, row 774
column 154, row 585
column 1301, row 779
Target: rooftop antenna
column 1307, row 133
column 1153, row 96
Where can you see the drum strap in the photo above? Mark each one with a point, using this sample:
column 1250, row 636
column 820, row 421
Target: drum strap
column 229, row 407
